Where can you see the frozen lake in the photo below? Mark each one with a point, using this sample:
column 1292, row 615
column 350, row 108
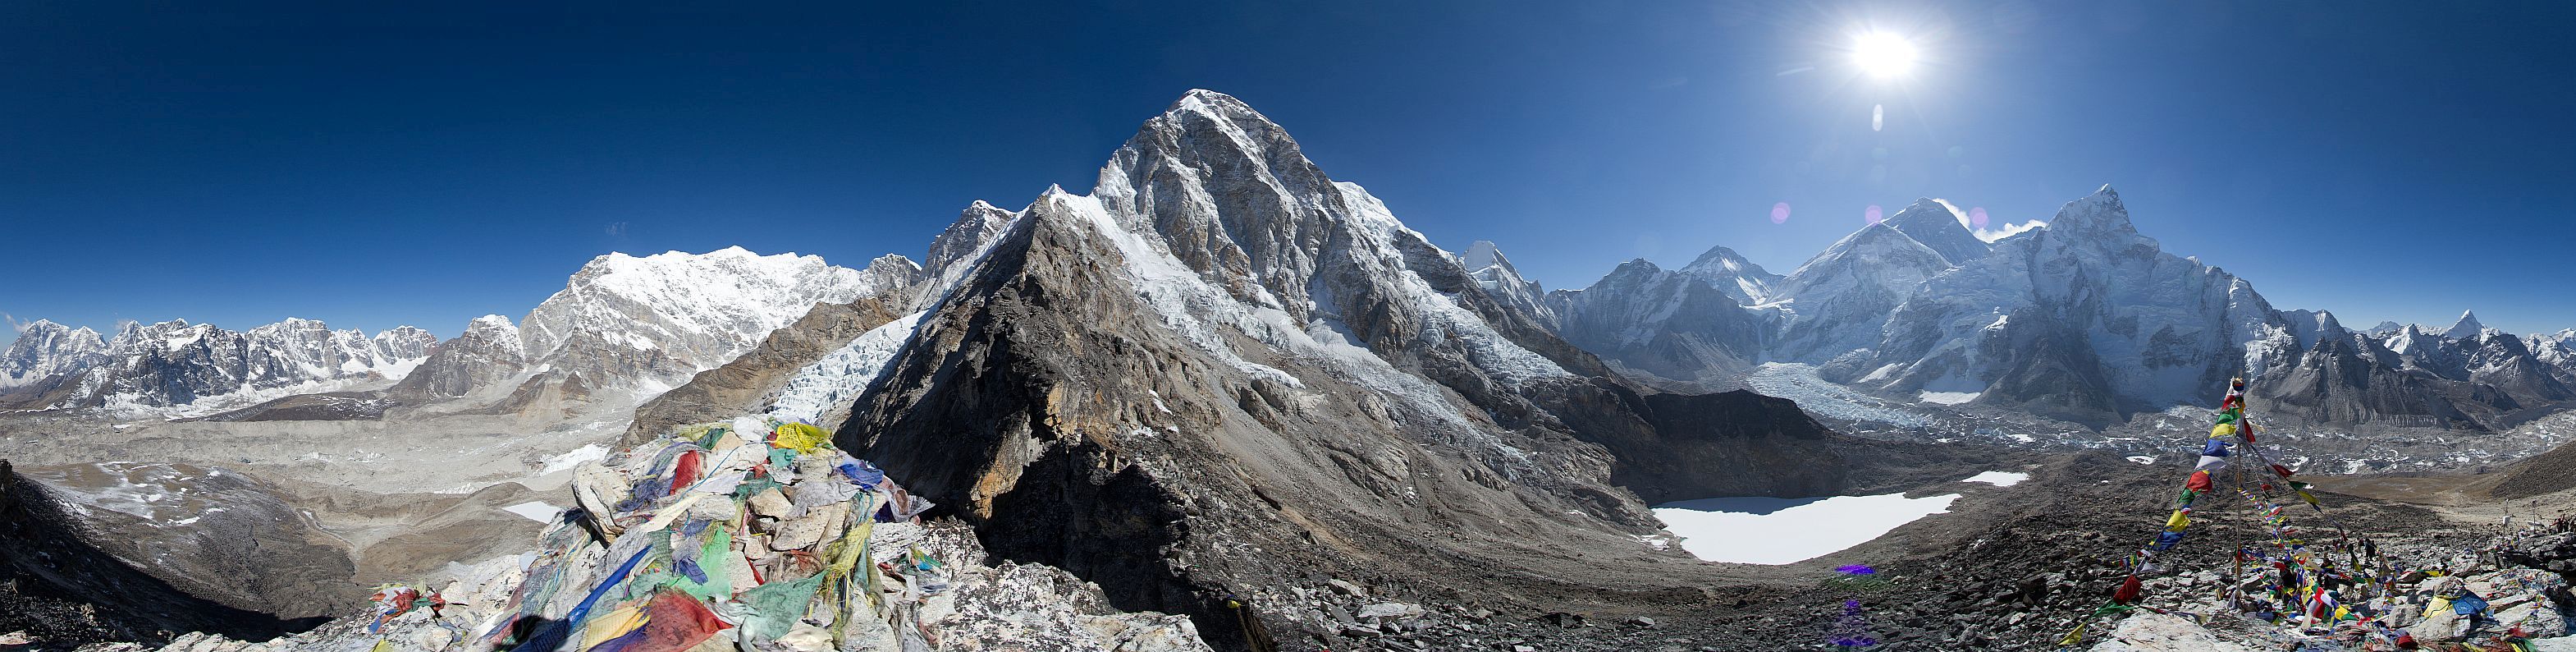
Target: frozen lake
column 1758, row 530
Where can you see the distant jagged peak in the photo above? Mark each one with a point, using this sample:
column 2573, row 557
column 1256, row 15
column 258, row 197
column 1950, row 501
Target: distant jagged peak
column 2097, row 213
column 975, row 227
column 1927, row 212
column 44, row 326
column 489, row 323
column 1941, row 226
column 698, row 310
column 1483, row 254
column 1731, row 273
column 1722, row 260
column 2467, row 328
column 2311, row 326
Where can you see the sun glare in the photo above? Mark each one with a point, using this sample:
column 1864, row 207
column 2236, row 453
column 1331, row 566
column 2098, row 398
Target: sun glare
column 1883, row 55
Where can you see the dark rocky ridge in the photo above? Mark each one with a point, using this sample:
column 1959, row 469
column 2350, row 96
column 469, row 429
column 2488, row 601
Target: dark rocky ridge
column 1045, row 403
column 66, row 592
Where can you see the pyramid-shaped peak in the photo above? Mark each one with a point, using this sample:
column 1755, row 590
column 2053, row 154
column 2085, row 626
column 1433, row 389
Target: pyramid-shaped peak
column 2466, row 328
column 1928, row 207
column 1941, row 226
column 2100, row 212
column 1212, row 120
column 1482, row 254
column 1721, row 260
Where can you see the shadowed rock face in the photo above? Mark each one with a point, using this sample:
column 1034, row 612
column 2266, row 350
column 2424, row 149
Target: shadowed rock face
column 1222, row 373
column 66, row 592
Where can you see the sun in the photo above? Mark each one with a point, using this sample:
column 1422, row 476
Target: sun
column 1883, row 55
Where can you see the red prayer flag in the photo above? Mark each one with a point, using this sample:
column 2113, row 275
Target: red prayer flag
column 2199, row 482
column 685, row 474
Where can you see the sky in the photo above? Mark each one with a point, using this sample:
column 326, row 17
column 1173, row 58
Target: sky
column 371, row 165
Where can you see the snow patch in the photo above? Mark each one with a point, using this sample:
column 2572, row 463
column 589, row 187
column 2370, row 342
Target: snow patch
column 566, row 461
column 1949, row 398
column 1999, row 478
column 537, row 511
column 1757, row 530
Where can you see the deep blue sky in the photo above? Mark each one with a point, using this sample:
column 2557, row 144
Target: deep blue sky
column 373, row 166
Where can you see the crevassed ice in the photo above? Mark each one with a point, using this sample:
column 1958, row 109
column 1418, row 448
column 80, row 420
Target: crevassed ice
column 842, row 374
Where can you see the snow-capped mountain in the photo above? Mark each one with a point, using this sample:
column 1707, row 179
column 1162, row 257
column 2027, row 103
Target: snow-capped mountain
column 176, row 363
column 2083, row 319
column 1839, row 298
column 47, row 350
column 1220, row 336
column 631, row 327
column 1739, row 279
column 1679, row 329
column 1502, row 281
column 1938, row 225
column 628, row 325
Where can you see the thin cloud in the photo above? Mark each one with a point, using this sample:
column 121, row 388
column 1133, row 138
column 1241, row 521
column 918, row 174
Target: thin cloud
column 2009, row 230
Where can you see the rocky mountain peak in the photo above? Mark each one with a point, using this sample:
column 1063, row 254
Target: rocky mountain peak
column 1494, row 272
column 976, row 226
column 1942, row 227
column 1730, row 273
column 1482, row 254
column 2466, row 328
column 404, row 342
column 700, row 310
column 2311, row 326
column 45, row 349
column 2100, row 213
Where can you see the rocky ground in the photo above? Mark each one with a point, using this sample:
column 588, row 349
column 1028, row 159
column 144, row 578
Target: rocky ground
column 2016, row 574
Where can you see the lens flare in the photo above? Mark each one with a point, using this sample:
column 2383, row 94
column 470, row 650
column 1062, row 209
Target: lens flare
column 1977, row 218
column 1780, row 213
column 1874, row 215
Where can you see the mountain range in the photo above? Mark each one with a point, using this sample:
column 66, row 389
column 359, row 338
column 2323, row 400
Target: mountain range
column 1221, row 377
column 2083, row 320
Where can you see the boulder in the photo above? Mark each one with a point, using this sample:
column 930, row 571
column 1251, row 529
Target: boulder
column 1391, row 610
column 2155, row 632
column 2440, row 623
